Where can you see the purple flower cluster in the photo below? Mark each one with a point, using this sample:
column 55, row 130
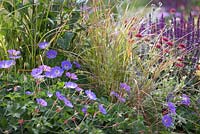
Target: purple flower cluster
column 70, row 85
column 7, row 63
column 14, row 54
column 90, row 95
column 171, row 107
column 55, row 72
column 84, row 109
column 66, row 65
column 125, row 87
column 51, row 54
column 181, row 30
column 167, row 120
column 185, row 100
column 41, row 102
column 64, row 99
column 119, row 97
column 72, row 76
column 43, row 45
column 102, row 109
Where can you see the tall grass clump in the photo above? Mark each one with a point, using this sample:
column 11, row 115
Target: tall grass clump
column 104, row 47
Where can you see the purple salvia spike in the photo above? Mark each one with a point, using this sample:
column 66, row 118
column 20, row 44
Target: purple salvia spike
column 198, row 29
column 149, row 25
column 142, row 28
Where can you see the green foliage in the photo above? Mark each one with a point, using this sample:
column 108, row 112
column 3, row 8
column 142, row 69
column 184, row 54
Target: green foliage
column 24, row 24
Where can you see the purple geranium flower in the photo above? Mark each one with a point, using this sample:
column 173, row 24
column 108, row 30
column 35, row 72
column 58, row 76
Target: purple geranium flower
column 7, row 63
column 84, row 109
column 59, row 96
column 102, row 109
column 72, row 76
column 90, row 95
column 121, row 99
column 113, row 93
column 66, row 65
column 13, row 54
column 55, row 72
column 125, row 86
column 45, row 68
column 185, row 100
column 171, row 107
column 167, row 120
column 67, row 103
column 70, row 85
column 28, row 93
column 36, row 72
column 49, row 94
column 41, row 102
column 77, row 64
column 43, row 45
column 78, row 89
column 51, row 54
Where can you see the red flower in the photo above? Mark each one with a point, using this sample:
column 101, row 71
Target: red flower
column 138, row 35
column 165, row 39
column 181, row 46
column 170, row 43
column 158, row 46
column 179, row 64
column 172, row 10
column 180, row 59
column 21, row 121
column 166, row 51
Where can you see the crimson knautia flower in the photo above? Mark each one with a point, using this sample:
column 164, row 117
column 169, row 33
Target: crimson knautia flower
column 59, row 96
column 45, row 68
column 102, row 109
column 43, row 45
column 41, row 102
column 125, row 86
column 66, row 65
column 90, row 95
column 77, row 64
column 7, row 63
column 70, row 85
column 14, row 54
column 171, row 107
column 72, row 76
column 55, row 72
column 167, row 120
column 51, row 54
column 185, row 100
column 36, row 73
column 68, row 103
